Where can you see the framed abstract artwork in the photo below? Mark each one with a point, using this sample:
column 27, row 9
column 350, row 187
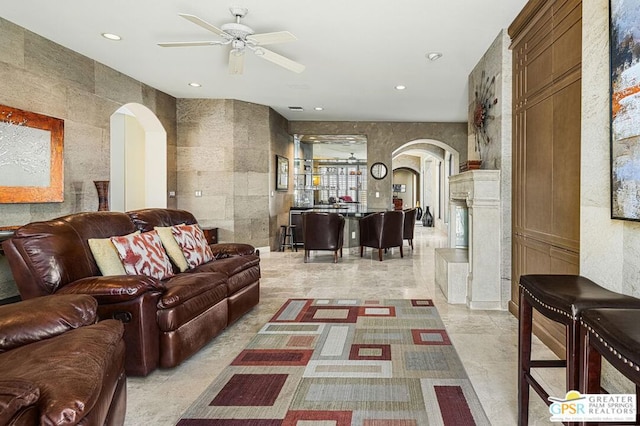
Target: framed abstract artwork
column 282, row 173
column 31, row 157
column 625, row 109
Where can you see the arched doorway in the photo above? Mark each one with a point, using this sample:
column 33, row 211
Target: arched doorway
column 138, row 159
column 433, row 161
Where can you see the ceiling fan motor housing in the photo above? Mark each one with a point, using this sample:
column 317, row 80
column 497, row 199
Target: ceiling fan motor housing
column 237, row 30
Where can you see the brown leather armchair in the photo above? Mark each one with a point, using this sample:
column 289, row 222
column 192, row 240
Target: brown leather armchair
column 322, row 231
column 409, row 225
column 382, row 230
column 58, row 366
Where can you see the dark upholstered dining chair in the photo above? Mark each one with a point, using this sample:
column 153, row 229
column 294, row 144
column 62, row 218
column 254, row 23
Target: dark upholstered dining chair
column 322, row 231
column 409, row 225
column 382, row 230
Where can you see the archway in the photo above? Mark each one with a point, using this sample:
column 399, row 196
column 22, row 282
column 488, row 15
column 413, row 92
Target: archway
column 138, row 159
column 436, row 162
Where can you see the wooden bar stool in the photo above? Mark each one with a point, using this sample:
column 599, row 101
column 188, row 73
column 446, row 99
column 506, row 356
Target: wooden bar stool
column 288, row 235
column 561, row 298
column 612, row 334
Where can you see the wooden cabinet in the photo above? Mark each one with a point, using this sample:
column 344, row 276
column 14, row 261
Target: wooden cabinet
column 211, row 234
column 547, row 52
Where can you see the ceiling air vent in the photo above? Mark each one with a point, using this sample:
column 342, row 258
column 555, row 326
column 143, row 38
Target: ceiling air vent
column 296, row 108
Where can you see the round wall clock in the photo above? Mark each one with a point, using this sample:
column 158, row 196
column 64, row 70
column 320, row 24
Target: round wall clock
column 378, row 170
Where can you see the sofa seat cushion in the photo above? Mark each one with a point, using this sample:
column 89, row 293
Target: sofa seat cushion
column 222, row 250
column 78, row 365
column 189, row 295
column 241, row 271
column 15, row 395
column 230, row 265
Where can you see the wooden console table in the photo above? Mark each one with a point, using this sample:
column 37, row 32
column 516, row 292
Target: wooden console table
column 6, row 232
column 211, row 234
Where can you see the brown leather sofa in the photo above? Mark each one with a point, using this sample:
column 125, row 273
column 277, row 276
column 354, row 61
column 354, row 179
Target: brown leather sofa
column 323, row 231
column 165, row 321
column 59, row 367
column 382, row 230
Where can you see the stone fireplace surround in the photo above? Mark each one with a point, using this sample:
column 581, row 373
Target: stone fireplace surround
column 472, row 276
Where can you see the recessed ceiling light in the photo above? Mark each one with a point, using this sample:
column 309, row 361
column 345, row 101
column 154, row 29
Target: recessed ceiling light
column 194, row 84
column 434, row 56
column 318, row 108
column 400, row 87
column 296, row 108
column 110, row 36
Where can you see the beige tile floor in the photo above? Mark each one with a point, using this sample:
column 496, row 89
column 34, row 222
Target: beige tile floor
column 485, row 340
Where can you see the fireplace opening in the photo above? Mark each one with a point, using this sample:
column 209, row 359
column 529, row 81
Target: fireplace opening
column 462, row 226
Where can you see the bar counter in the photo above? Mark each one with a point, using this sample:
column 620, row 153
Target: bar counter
column 352, row 212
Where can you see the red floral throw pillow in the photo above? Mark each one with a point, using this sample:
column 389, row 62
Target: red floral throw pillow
column 194, row 245
column 143, row 254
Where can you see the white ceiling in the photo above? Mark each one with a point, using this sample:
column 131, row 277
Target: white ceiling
column 355, row 51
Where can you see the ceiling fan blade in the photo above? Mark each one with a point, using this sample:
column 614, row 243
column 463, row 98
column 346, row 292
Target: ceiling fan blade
column 271, row 38
column 279, row 60
column 188, row 43
column 204, row 24
column 236, row 62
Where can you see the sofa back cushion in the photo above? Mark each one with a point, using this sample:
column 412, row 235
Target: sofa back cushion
column 147, row 219
column 50, row 255
column 45, row 256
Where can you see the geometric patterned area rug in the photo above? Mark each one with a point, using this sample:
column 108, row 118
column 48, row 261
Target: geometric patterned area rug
column 344, row 362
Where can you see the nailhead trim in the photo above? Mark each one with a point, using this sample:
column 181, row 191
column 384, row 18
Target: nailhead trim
column 549, row 307
column 611, row 349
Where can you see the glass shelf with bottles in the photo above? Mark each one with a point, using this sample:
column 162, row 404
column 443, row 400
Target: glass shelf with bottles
column 321, row 182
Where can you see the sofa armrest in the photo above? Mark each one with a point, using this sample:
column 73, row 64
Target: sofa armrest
column 43, row 317
column 113, row 289
column 222, row 250
column 16, row 395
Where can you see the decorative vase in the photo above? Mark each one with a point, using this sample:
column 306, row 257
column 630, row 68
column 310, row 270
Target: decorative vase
column 427, row 219
column 102, row 186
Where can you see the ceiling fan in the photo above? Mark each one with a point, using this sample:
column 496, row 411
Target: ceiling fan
column 241, row 37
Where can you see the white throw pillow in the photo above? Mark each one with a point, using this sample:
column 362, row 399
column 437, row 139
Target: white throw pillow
column 106, row 256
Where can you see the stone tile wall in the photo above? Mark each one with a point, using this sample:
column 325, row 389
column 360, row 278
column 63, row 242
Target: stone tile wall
column 227, row 150
column 39, row 75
